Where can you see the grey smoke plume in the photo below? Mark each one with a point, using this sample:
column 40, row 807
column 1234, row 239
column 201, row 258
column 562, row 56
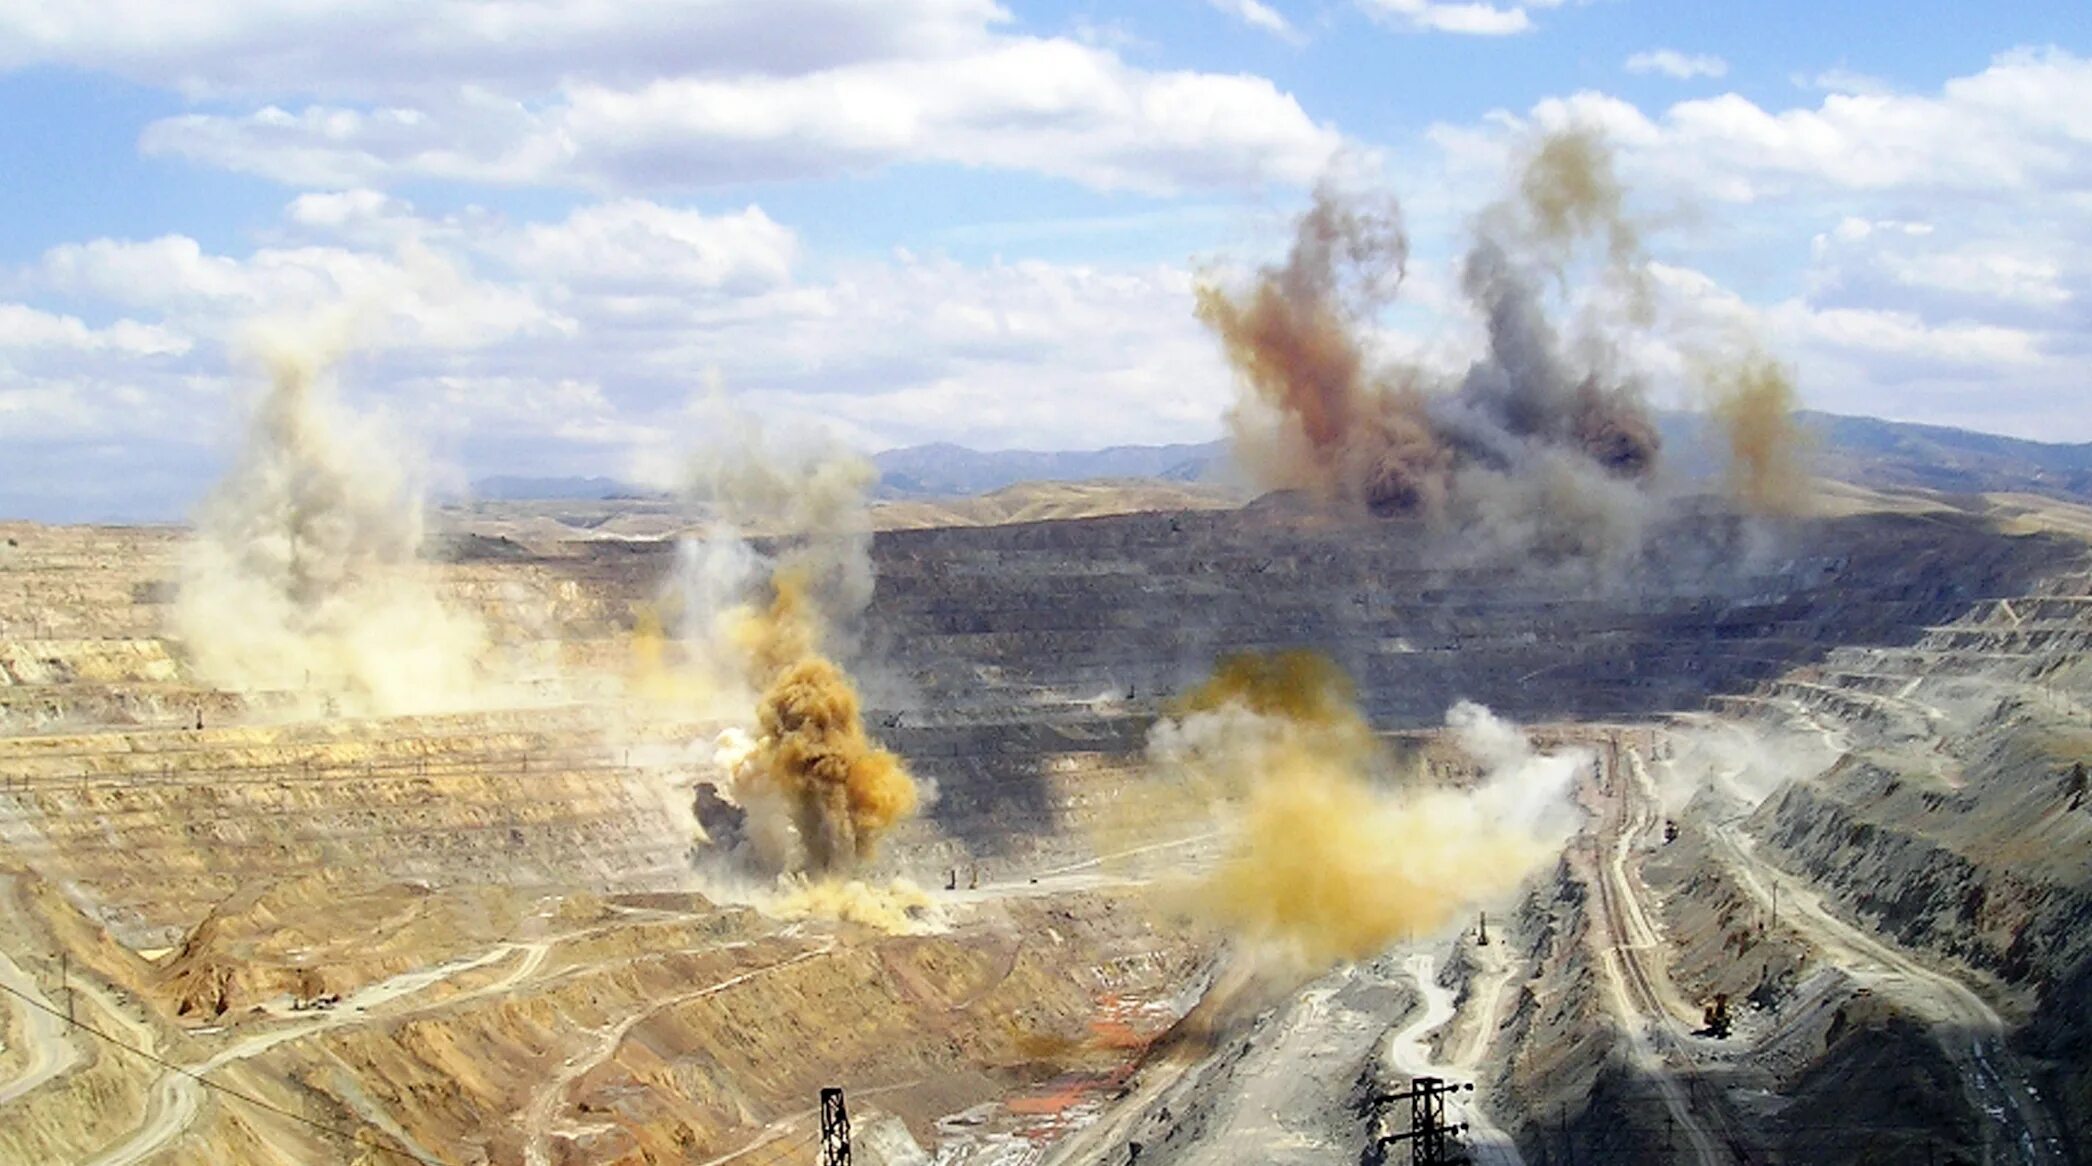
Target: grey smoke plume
column 1532, row 436
column 304, row 574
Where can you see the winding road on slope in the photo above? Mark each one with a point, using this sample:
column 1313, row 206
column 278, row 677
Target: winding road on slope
column 547, row 1103
column 177, row 1097
column 48, row 1052
column 1409, row 1055
column 1969, row 1029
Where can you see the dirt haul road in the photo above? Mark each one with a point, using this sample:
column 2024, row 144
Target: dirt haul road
column 46, row 1051
column 1968, row 1029
column 538, row 1121
column 1633, row 969
column 1408, row 1054
column 177, row 1097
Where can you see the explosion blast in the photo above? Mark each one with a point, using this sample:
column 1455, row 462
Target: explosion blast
column 1547, row 446
column 817, row 791
column 1395, row 440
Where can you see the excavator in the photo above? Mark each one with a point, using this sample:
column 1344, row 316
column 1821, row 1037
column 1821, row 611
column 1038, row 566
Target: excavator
column 1715, row 1017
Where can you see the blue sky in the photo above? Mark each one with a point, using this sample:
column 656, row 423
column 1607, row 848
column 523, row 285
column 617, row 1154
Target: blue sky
column 917, row 220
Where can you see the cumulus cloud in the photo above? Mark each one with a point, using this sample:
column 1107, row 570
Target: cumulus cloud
column 1051, row 107
column 1938, row 239
column 384, row 50
column 634, row 243
column 26, row 329
column 1924, row 255
column 421, row 298
column 2010, row 128
column 1672, row 63
column 571, row 345
column 661, row 96
column 1977, row 274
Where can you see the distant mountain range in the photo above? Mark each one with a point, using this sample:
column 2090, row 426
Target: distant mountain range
column 1863, row 450
column 944, row 469
column 1873, row 452
column 513, row 488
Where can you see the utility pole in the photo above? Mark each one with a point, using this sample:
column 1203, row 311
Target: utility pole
column 835, row 1129
column 1427, row 1136
column 1484, row 940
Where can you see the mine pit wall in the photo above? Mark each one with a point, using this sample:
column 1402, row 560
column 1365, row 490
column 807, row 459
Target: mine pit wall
column 972, row 617
column 1853, row 1079
column 1861, row 1078
column 1017, row 668
column 674, row 1045
column 2029, row 934
column 147, row 830
column 1950, row 828
column 1561, row 1063
column 1721, row 939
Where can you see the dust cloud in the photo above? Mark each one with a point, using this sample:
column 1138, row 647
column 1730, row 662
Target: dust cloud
column 1753, row 406
column 759, row 629
column 897, row 908
column 843, row 790
column 305, row 573
column 1741, row 762
column 1325, row 859
column 1544, row 443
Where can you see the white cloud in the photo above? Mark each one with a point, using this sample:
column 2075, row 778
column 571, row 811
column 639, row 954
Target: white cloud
column 1047, row 106
column 2012, row 127
column 1672, row 63
column 661, row 95
column 1845, row 81
column 390, row 49
column 570, row 345
column 1258, row 14
column 1978, row 274
column 1882, row 361
column 1921, row 255
column 24, row 329
column 1433, row 16
column 412, row 298
column 635, row 244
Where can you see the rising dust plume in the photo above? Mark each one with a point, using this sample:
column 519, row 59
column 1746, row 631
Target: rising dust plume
column 1543, row 444
column 305, row 573
column 843, row 790
column 762, row 625
column 1754, row 402
column 1397, row 439
column 1327, row 860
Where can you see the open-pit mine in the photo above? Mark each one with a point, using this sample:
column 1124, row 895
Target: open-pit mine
column 1827, row 771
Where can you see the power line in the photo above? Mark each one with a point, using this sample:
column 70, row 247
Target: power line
column 261, row 1103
